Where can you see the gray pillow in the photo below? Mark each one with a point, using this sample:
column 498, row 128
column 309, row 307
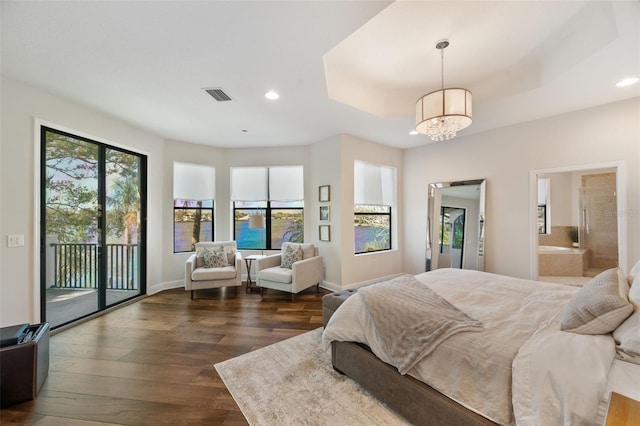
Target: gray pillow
column 231, row 254
column 214, row 258
column 200, row 257
column 290, row 255
column 598, row 307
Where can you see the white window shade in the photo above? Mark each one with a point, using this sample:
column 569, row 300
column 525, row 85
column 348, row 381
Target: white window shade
column 286, row 183
column 543, row 191
column 249, row 184
column 194, row 182
column 373, row 184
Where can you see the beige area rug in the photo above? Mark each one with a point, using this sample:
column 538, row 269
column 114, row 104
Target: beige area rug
column 293, row 383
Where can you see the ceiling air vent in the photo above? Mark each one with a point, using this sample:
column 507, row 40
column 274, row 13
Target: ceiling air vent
column 218, row 94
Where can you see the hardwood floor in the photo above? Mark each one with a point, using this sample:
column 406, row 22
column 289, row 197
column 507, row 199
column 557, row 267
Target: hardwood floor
column 151, row 363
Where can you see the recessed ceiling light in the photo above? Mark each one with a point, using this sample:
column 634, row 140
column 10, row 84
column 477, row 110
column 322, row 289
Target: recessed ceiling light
column 271, row 95
column 627, row 81
column 413, row 132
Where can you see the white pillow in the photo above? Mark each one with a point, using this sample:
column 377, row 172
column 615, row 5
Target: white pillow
column 634, row 282
column 627, row 337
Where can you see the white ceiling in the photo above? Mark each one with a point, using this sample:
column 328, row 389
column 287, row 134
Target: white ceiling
column 353, row 67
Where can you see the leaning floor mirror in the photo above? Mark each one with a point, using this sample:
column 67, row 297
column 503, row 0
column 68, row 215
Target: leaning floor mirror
column 455, row 225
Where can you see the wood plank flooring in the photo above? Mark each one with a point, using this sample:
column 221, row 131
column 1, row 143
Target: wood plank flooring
column 151, row 363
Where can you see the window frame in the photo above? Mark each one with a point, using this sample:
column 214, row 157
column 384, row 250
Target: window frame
column 387, row 214
column 542, row 210
column 267, row 210
column 178, row 208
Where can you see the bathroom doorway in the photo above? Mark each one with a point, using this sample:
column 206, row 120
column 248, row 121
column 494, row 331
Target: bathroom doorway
column 577, row 226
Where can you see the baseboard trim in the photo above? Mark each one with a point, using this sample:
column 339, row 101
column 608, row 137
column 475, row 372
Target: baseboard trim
column 167, row 285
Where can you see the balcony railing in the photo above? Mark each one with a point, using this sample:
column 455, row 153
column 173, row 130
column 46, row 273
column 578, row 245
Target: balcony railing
column 75, row 266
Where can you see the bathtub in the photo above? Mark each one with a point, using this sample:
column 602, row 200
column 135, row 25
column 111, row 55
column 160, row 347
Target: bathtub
column 561, row 261
column 555, row 249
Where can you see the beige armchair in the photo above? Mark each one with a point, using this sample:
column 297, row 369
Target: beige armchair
column 299, row 275
column 220, row 274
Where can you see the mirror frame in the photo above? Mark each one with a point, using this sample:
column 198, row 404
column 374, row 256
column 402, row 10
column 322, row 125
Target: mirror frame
column 434, row 189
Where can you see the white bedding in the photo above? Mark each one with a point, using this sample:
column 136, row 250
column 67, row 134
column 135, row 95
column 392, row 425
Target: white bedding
column 559, row 377
column 473, row 369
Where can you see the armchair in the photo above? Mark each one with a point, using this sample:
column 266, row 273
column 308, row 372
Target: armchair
column 285, row 272
column 218, row 274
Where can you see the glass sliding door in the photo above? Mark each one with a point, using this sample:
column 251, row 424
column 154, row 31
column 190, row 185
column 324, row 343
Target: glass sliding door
column 92, row 226
column 122, row 225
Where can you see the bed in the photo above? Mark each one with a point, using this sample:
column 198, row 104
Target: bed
column 518, row 367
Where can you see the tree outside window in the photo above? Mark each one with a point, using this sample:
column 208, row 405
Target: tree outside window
column 372, row 228
column 192, row 223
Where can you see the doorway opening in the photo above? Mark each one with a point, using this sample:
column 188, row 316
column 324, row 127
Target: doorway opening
column 93, row 215
column 578, row 231
column 452, row 224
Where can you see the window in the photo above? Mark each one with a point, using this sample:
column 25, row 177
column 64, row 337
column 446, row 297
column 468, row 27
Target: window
column 372, row 228
column 544, row 206
column 268, row 206
column 542, row 219
column 192, row 223
column 374, row 197
column 193, row 198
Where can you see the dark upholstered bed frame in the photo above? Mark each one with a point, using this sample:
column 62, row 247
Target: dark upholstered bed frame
column 412, row 399
column 416, row 401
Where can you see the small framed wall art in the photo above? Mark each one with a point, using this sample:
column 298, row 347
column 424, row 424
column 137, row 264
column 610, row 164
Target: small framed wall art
column 324, row 193
column 325, row 233
column 325, row 214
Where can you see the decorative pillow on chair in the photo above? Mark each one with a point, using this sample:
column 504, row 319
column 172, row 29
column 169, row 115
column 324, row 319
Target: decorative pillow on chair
column 290, row 255
column 214, row 258
column 231, row 255
column 200, row 257
column 599, row 307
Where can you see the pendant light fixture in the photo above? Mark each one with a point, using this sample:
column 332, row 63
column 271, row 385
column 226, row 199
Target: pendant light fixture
column 441, row 114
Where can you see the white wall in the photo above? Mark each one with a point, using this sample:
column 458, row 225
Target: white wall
column 223, row 160
column 326, row 168
column 366, row 267
column 20, row 106
column 561, row 199
column 173, row 263
column 504, row 157
column 328, row 162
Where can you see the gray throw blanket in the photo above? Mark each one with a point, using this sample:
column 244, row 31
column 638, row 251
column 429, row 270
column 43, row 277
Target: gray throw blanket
column 411, row 319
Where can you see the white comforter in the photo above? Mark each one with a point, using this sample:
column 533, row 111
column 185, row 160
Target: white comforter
column 474, row 369
column 559, row 377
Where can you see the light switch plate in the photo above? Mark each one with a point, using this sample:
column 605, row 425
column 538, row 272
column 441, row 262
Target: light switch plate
column 15, row 240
